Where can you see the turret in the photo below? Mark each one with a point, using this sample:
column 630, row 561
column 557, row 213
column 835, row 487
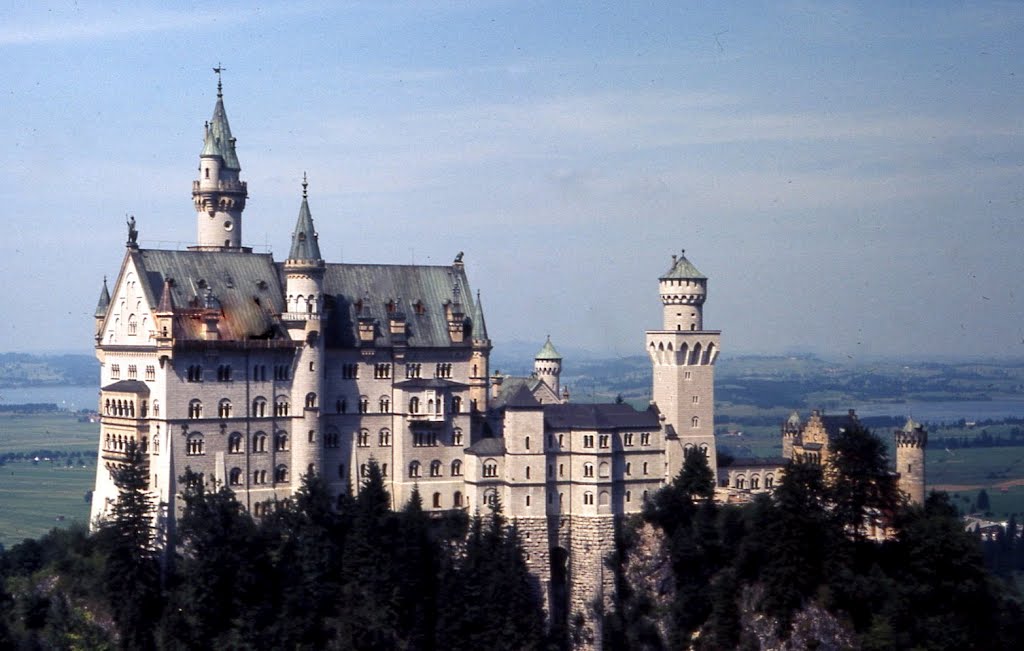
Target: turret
column 547, row 365
column 219, row 195
column 911, row 441
column 304, row 278
column 790, row 430
column 683, row 290
column 101, row 310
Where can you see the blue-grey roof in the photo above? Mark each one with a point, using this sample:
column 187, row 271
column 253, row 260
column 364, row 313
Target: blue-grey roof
column 104, row 301
column 246, row 286
column 487, row 447
column 510, row 386
column 420, row 293
column 430, row 383
column 218, row 140
column 128, row 386
column 599, row 416
column 522, row 398
column 682, row 269
column 305, row 245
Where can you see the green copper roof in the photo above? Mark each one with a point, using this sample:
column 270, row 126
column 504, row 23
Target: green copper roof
column 548, row 351
column 305, row 245
column 682, row 269
column 104, row 302
column 219, row 141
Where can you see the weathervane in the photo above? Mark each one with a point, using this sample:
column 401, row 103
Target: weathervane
column 217, row 70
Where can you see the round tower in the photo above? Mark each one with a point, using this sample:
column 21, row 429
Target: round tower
column 790, row 430
column 911, row 441
column 683, row 290
column 547, row 365
column 304, row 277
column 219, row 194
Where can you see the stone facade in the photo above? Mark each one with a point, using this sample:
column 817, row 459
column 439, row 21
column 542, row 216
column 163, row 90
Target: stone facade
column 253, row 373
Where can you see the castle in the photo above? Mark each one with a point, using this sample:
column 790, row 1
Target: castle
column 255, row 372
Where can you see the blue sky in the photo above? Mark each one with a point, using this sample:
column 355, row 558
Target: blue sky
column 849, row 175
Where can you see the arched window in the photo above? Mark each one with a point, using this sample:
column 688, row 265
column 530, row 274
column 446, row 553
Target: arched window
column 156, row 409
column 259, row 476
column 133, row 324
column 456, row 405
column 281, row 406
column 195, row 408
column 437, row 500
column 754, row 481
column 364, row 438
column 491, row 498
column 235, row 476
column 741, row 482
column 457, row 436
column 281, row 473
column 259, row 442
column 235, row 443
column 414, row 405
column 384, row 438
column 457, row 499
column 695, row 422
column 281, row 441
column 332, row 439
column 588, row 470
column 588, row 498
column 385, row 404
column 435, row 468
column 310, row 401
column 603, row 470
column 490, row 468
column 604, row 499
column 364, row 404
column 456, row 468
column 259, row 407
column 414, row 469
column 341, row 406
column 194, row 445
column 224, row 408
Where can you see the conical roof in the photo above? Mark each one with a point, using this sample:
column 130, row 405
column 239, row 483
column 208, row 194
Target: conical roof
column 219, row 141
column 682, row 269
column 104, row 302
column 910, row 425
column 479, row 325
column 305, row 245
column 548, row 351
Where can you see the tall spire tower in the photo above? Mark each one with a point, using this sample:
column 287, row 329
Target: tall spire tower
column 219, row 195
column 683, row 354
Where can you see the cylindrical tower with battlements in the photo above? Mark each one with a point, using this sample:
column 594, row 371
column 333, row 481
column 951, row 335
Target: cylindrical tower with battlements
column 683, row 290
column 911, row 441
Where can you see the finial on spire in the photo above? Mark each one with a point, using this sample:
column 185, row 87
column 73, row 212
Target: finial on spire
column 220, row 89
column 305, row 184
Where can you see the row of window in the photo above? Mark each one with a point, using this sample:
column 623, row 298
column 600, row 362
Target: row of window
column 588, row 470
column 258, row 476
column 384, row 405
column 416, row 469
column 604, row 441
column 196, row 444
column 755, row 482
column 225, row 373
column 133, row 372
column 120, row 442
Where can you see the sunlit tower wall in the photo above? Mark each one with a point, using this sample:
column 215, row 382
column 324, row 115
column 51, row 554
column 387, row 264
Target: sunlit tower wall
column 911, row 441
column 683, row 356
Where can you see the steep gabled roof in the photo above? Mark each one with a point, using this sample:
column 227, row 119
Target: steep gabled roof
column 128, row 386
column 417, row 292
column 522, row 399
column 488, row 447
column 246, row 287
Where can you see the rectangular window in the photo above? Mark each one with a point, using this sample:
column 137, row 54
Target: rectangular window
column 696, row 400
column 605, row 440
column 115, row 371
column 645, row 438
column 381, row 371
column 687, row 376
column 150, row 374
column 588, row 441
column 133, row 372
column 350, row 371
column 627, row 439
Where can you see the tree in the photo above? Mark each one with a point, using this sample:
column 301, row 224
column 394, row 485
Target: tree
column 984, row 505
column 861, row 488
column 132, row 571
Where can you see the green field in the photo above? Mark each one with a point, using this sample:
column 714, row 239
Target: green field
column 35, row 497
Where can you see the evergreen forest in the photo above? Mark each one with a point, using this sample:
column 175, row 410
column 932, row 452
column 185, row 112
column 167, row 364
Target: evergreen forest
column 801, row 568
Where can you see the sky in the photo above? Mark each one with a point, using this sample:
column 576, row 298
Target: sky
column 849, row 176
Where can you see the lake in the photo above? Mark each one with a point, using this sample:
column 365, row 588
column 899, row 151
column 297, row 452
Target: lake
column 71, row 398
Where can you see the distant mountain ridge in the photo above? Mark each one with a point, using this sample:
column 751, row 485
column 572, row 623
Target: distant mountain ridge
column 34, row 370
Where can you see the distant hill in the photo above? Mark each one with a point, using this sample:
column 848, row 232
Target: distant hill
column 27, row 370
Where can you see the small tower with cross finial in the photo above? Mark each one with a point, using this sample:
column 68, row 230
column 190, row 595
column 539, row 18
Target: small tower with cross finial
column 219, row 194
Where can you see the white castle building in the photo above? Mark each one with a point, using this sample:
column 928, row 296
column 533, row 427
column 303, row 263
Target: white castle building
column 255, row 372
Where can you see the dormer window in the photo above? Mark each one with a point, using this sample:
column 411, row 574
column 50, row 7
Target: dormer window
column 391, row 307
column 419, row 308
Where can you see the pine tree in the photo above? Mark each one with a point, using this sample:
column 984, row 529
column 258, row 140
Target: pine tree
column 132, row 571
column 861, row 488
